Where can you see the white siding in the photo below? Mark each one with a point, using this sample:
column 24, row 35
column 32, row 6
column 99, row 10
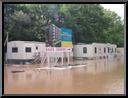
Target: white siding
column 17, row 55
column 100, row 49
column 21, row 45
column 120, row 52
column 78, row 50
column 111, row 53
column 89, row 51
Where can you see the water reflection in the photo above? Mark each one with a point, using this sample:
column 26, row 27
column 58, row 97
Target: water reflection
column 98, row 76
column 98, row 66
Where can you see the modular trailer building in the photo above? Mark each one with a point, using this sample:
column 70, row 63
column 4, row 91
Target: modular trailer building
column 23, row 51
column 94, row 50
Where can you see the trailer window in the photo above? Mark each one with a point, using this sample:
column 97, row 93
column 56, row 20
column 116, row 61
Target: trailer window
column 104, row 50
column 112, row 50
column 28, row 49
column 36, row 48
column 85, row 50
column 95, row 50
column 100, row 50
column 14, row 50
column 115, row 50
column 108, row 49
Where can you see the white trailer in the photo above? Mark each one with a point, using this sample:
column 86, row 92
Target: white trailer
column 94, row 50
column 112, row 50
column 82, row 51
column 120, row 52
column 24, row 50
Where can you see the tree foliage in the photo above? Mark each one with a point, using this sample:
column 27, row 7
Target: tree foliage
column 90, row 23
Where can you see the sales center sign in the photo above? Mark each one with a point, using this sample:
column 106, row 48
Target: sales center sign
column 58, row 49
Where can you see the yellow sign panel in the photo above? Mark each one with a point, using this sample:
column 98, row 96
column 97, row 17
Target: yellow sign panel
column 66, row 44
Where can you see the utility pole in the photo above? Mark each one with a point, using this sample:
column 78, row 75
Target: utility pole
column 6, row 39
column 6, row 44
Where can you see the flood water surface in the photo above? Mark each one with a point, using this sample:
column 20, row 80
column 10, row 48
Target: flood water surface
column 98, row 77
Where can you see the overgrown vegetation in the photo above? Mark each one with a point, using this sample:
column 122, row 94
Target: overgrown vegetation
column 89, row 22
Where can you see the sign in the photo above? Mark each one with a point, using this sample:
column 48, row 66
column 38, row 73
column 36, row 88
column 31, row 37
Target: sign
column 66, row 37
column 58, row 37
column 66, row 44
column 66, row 34
column 58, row 49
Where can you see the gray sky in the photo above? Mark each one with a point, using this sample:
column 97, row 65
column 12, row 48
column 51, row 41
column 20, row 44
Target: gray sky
column 118, row 8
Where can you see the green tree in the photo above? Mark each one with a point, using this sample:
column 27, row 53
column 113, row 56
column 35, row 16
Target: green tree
column 90, row 23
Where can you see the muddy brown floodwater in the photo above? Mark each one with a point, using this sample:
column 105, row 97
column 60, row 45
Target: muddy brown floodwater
column 98, row 77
